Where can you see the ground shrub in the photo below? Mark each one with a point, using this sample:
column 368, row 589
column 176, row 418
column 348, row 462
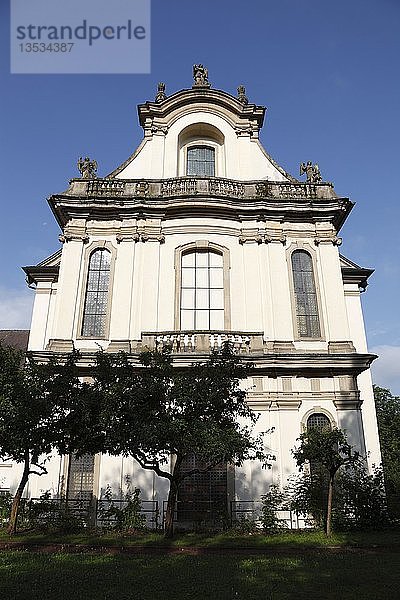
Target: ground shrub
column 271, row 502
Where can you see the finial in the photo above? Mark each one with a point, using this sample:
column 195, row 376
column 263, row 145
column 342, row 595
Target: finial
column 161, row 95
column 242, row 95
column 87, row 168
column 200, row 76
column 312, row 172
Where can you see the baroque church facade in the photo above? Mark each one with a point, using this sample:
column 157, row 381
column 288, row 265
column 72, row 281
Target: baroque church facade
column 197, row 238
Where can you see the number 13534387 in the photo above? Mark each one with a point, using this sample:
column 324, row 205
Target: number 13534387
column 42, row 47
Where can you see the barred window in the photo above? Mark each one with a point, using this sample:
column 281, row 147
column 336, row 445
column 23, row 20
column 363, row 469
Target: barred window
column 97, row 290
column 201, row 161
column 318, row 421
column 80, row 477
column 202, row 291
column 308, row 325
column 202, row 496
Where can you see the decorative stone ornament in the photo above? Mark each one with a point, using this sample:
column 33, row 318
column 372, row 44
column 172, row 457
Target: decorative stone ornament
column 200, row 76
column 161, row 95
column 87, row 168
column 242, row 95
column 312, row 172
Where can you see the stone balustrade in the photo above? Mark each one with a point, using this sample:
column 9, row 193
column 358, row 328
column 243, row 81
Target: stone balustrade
column 200, row 186
column 203, row 341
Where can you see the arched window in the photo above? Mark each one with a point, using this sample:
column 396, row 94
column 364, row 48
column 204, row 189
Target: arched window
column 96, row 299
column 318, row 421
column 318, row 473
column 202, row 291
column 200, row 161
column 305, row 295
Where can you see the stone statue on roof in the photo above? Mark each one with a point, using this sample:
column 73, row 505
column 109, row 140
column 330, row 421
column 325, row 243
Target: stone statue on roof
column 242, row 95
column 200, row 76
column 312, row 172
column 87, row 168
column 161, row 95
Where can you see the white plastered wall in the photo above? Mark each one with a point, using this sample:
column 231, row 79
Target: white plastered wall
column 364, row 381
column 158, row 156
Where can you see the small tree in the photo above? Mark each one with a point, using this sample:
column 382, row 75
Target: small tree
column 330, row 449
column 358, row 501
column 388, row 415
column 271, row 502
column 159, row 414
column 30, row 395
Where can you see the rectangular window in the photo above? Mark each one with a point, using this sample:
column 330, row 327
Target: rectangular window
column 202, row 291
column 305, row 295
column 80, row 477
column 202, row 496
column 201, row 161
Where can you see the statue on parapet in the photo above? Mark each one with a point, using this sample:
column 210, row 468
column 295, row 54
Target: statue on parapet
column 161, row 95
column 200, row 76
column 312, row 172
column 87, row 168
column 242, row 95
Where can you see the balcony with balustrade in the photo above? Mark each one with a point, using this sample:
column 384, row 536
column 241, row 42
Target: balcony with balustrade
column 203, row 186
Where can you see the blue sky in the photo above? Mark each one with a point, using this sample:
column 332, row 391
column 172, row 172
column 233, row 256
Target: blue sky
column 329, row 75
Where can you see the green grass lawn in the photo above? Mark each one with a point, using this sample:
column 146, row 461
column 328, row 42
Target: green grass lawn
column 231, row 539
column 323, row 575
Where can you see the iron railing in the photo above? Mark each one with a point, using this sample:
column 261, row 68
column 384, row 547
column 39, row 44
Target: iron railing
column 92, row 512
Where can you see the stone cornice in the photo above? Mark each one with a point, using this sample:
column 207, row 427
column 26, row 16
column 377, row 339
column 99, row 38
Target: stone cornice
column 163, row 111
column 358, row 276
column 272, row 359
column 269, row 365
column 34, row 274
column 191, row 197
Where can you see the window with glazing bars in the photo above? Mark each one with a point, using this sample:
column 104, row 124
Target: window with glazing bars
column 202, row 291
column 200, row 161
column 80, row 477
column 318, row 421
column 305, row 295
column 96, row 299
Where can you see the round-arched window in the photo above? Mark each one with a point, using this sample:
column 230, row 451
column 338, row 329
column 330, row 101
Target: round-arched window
column 308, row 325
column 318, row 421
column 97, row 292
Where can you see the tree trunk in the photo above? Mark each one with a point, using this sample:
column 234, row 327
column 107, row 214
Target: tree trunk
column 169, row 515
column 329, row 507
column 12, row 524
column 172, row 496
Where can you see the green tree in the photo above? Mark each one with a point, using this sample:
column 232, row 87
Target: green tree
column 30, row 395
column 388, row 415
column 330, row 449
column 159, row 414
column 358, row 501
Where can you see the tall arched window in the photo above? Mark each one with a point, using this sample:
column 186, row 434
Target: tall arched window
column 308, row 325
column 318, row 421
column 200, row 161
column 97, row 289
column 202, row 291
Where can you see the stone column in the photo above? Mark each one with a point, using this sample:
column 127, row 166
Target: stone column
column 252, row 288
column 329, row 274
column 280, row 292
column 40, row 315
column 70, row 289
column 122, row 293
